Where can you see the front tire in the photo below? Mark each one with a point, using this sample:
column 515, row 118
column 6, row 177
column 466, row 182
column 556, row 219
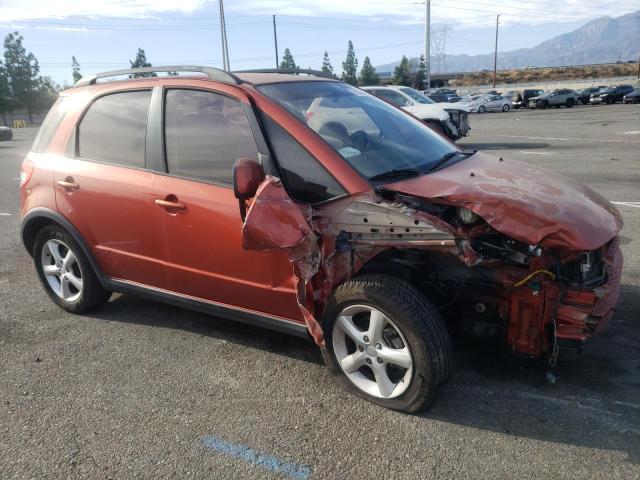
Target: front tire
column 388, row 344
column 570, row 103
column 65, row 271
column 481, row 109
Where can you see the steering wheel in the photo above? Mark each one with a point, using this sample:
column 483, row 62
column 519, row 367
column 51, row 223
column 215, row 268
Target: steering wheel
column 360, row 140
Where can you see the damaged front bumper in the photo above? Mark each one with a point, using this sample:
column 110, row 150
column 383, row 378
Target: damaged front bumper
column 544, row 311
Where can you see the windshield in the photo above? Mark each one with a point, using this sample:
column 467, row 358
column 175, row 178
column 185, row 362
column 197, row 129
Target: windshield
column 416, row 95
column 371, row 135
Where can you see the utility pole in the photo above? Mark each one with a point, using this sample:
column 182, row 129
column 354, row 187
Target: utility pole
column 427, row 45
column 223, row 38
column 275, row 40
column 495, row 53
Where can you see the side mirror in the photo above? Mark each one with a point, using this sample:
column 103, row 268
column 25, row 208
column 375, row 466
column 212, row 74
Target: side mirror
column 248, row 174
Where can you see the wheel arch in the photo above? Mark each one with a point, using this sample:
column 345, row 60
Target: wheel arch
column 38, row 218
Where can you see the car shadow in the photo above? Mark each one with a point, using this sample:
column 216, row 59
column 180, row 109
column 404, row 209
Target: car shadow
column 134, row 310
column 594, row 402
column 503, row 146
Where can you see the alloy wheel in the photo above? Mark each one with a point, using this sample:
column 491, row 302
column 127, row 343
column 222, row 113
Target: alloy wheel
column 372, row 351
column 62, row 270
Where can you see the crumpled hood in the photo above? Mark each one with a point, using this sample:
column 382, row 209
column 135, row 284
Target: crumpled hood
column 430, row 111
column 527, row 203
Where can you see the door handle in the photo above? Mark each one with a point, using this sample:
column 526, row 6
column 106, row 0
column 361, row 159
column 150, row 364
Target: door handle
column 169, row 205
column 68, row 184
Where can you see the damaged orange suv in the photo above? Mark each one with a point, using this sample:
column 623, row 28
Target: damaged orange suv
column 305, row 205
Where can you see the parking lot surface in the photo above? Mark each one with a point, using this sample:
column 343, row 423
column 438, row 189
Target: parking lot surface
column 144, row 390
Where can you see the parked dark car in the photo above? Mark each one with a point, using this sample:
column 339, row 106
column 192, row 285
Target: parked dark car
column 444, row 95
column 611, row 94
column 521, row 100
column 632, row 97
column 584, row 95
column 6, row 134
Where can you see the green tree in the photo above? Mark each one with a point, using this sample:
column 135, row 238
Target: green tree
column 368, row 75
column 402, row 73
column 326, row 64
column 419, row 75
column 21, row 71
column 75, row 69
column 45, row 94
column 350, row 66
column 141, row 62
column 7, row 103
column 287, row 62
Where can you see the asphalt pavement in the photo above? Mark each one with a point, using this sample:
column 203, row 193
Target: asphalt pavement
column 144, row 390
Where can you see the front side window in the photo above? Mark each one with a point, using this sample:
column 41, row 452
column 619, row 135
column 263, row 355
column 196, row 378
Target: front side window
column 394, row 98
column 204, row 134
column 113, row 129
column 372, row 136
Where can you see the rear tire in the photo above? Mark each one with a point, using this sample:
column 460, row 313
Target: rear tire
column 481, row 109
column 506, row 108
column 411, row 327
column 570, row 103
column 65, row 272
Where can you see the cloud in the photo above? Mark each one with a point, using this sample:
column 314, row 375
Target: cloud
column 12, row 10
column 460, row 13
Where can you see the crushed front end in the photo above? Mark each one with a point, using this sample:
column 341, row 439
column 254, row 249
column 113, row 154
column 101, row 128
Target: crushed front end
column 505, row 251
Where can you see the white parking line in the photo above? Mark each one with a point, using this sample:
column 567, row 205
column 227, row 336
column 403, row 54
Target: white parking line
column 3, row 214
column 535, row 153
column 16, row 178
column 568, row 139
column 633, row 132
column 628, row 204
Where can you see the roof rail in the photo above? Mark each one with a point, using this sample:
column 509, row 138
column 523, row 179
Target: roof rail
column 212, row 73
column 315, row 73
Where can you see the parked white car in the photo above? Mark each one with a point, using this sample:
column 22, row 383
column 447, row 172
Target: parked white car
column 488, row 103
column 450, row 119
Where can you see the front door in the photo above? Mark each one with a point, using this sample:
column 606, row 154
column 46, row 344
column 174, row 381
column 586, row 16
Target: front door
column 205, row 132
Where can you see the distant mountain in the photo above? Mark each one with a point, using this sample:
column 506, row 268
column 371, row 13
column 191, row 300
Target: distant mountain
column 603, row 40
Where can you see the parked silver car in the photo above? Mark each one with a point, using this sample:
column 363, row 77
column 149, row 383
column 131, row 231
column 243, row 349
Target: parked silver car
column 488, row 103
column 555, row 98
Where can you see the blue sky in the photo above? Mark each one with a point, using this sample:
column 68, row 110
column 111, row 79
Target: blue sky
column 105, row 34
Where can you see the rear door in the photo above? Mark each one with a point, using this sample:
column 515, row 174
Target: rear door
column 104, row 189
column 205, row 132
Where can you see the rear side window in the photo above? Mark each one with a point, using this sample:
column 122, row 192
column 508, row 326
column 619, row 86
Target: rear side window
column 50, row 125
column 113, row 129
column 307, row 181
column 205, row 133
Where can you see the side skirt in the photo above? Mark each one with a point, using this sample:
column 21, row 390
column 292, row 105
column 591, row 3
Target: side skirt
column 248, row 317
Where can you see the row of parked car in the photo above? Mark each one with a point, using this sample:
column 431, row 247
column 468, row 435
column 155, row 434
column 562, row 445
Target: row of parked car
column 535, row 98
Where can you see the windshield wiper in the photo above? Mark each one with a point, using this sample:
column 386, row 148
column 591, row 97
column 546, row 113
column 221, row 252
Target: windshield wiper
column 448, row 156
column 399, row 172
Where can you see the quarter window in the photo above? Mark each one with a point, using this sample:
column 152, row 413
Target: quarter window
column 50, row 125
column 307, row 181
column 205, row 133
column 113, row 129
